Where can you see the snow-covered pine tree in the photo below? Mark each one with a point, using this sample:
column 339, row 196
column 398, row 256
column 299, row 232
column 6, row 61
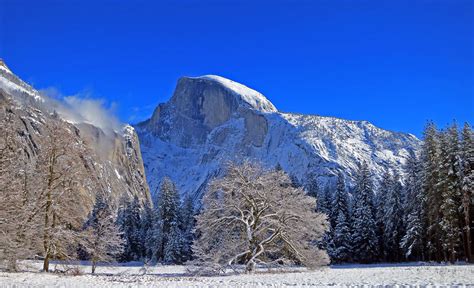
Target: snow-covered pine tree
column 412, row 241
column 432, row 193
column 393, row 220
column 450, row 187
column 467, row 157
column 312, row 186
column 340, row 247
column 187, row 223
column 173, row 248
column 380, row 207
column 323, row 205
column 148, row 226
column 154, row 235
column 130, row 225
column 168, row 220
column 295, row 182
column 104, row 242
column 364, row 236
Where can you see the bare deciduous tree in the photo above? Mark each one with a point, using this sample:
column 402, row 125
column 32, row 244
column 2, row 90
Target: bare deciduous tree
column 104, row 241
column 15, row 174
column 61, row 198
column 252, row 216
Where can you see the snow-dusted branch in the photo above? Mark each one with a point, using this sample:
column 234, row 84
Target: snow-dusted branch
column 253, row 216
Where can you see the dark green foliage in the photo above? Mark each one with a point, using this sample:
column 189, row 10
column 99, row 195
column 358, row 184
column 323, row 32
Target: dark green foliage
column 364, row 237
column 130, row 224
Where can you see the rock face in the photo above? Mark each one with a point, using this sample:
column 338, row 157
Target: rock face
column 211, row 120
column 199, row 105
column 115, row 158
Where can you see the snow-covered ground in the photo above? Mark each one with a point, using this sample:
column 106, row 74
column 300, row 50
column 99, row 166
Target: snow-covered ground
column 175, row 276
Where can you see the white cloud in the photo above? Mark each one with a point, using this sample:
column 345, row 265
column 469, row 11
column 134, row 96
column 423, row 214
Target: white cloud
column 82, row 108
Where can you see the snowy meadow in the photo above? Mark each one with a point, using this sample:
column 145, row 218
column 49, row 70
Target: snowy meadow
column 135, row 275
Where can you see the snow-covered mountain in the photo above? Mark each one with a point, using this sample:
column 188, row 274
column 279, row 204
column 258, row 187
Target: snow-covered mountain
column 115, row 158
column 211, row 120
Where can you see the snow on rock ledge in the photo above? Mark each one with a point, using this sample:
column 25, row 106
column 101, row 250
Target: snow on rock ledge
column 253, row 98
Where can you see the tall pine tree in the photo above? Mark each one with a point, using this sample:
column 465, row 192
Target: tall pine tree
column 340, row 247
column 312, row 188
column 130, row 225
column 364, row 236
column 187, row 223
column 450, row 187
column 467, row 157
column 323, row 205
column 432, row 194
column 148, row 227
column 380, row 202
column 412, row 241
column 169, row 250
column 393, row 225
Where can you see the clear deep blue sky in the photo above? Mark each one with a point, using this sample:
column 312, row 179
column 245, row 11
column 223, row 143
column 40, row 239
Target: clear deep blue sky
column 393, row 63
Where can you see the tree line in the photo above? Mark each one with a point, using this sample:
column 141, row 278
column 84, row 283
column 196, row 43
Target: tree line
column 162, row 233
column 429, row 217
column 53, row 207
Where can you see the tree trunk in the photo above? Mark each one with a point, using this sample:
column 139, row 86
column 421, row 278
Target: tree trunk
column 93, row 266
column 467, row 221
column 46, row 239
column 250, row 267
column 12, row 265
column 46, row 236
column 46, row 263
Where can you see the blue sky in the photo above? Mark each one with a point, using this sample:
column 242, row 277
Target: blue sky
column 394, row 63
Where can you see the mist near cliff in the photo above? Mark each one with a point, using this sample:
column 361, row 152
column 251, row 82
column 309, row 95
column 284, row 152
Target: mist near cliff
column 82, row 107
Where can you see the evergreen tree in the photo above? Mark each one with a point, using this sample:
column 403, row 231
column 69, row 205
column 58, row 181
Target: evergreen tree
column 339, row 201
column 187, row 223
column 467, row 157
column 380, row 202
column 431, row 191
column 173, row 247
column 324, row 206
column 450, row 186
column 278, row 167
column 148, row 227
column 295, row 182
column 130, row 224
column 340, row 247
column 364, row 236
column 169, row 249
column 312, row 188
column 324, row 200
column 393, row 225
column 412, row 241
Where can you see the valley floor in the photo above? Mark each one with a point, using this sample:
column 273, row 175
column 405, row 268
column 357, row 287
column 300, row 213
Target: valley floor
column 413, row 274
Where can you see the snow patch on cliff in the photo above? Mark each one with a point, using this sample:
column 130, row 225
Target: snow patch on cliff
column 253, row 98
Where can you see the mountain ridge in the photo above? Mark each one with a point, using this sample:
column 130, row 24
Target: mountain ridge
column 184, row 132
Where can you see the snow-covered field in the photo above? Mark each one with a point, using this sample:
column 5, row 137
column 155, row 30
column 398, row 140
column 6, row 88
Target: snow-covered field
column 176, row 276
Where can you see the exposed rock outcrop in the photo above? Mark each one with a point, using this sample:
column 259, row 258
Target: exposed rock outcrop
column 114, row 160
column 211, row 120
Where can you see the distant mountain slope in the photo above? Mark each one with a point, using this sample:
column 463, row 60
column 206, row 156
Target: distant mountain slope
column 115, row 157
column 211, row 120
